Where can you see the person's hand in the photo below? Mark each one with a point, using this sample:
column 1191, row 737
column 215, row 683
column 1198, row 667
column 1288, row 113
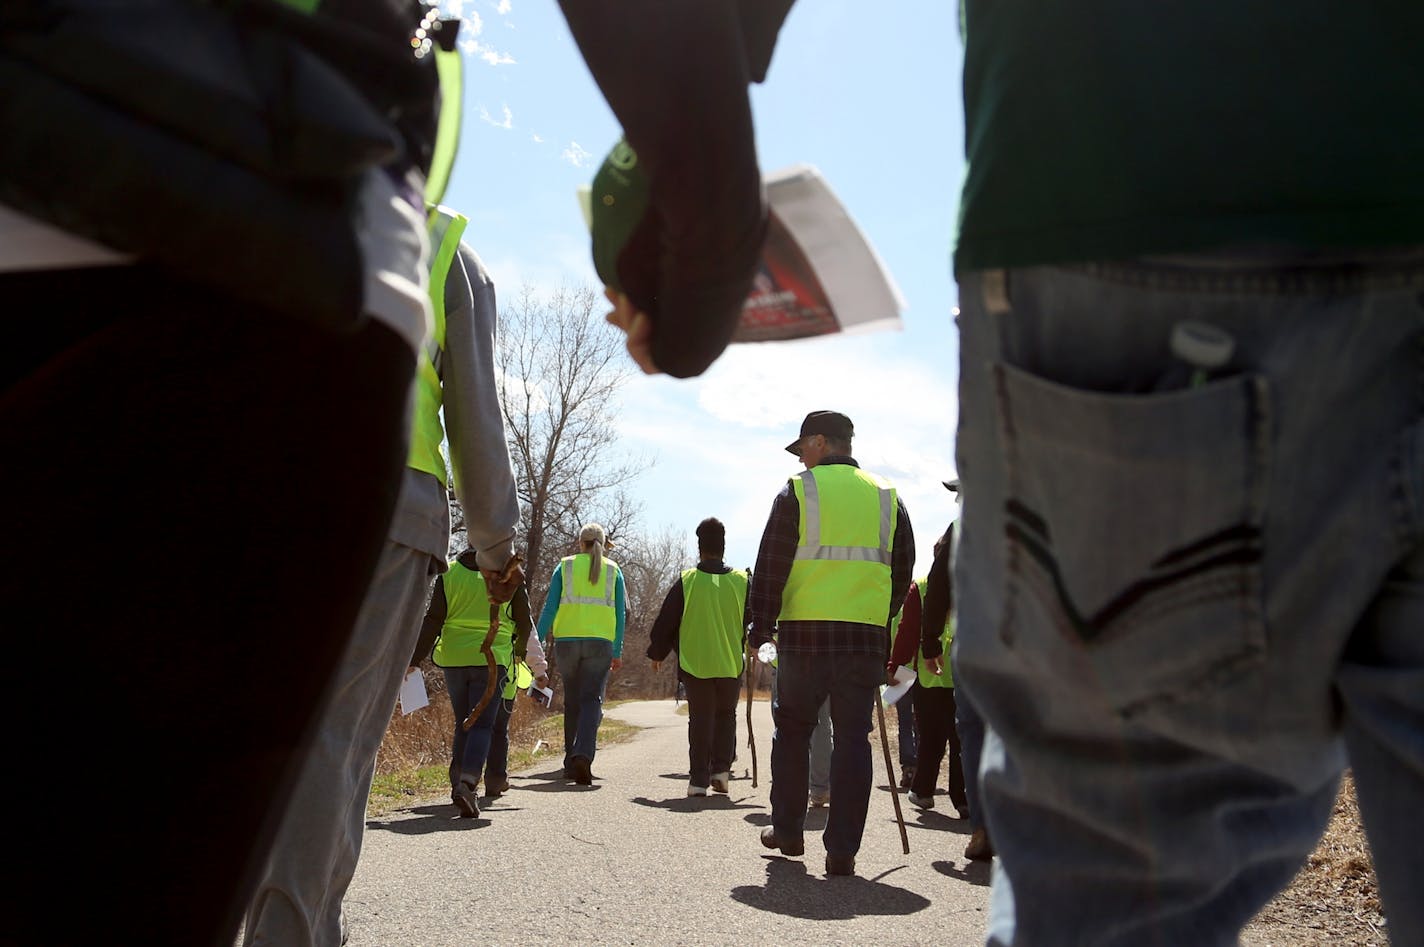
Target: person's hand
column 542, row 680
column 617, row 663
column 935, row 664
column 636, row 325
column 890, row 674
column 502, row 584
column 657, row 665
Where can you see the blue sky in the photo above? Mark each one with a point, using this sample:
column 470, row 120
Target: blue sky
column 870, row 95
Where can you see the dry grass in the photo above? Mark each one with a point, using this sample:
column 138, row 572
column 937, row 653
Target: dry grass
column 1334, row 900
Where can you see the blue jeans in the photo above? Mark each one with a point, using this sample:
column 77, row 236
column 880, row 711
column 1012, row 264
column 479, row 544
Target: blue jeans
column 471, row 747
column 583, row 665
column 1180, row 606
column 851, row 682
column 909, row 744
column 497, row 765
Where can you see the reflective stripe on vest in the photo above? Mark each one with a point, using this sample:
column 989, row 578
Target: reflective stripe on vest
column 467, row 621
column 427, row 431
column 709, row 640
column 841, row 571
column 587, row 609
column 927, row 677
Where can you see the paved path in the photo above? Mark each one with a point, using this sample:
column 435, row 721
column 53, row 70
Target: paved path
column 632, row 860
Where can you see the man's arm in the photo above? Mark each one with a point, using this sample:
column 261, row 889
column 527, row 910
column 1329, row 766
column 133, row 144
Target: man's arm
column 474, row 421
column 902, row 558
column 939, row 599
column 431, row 625
column 773, row 565
column 907, row 636
column 676, row 77
column 664, row 636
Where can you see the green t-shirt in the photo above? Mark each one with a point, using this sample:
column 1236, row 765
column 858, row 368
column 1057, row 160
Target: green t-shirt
column 1110, row 129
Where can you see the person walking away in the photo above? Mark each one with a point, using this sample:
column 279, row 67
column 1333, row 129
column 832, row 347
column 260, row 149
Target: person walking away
column 243, row 297
column 934, row 702
column 968, row 724
column 458, row 623
column 1190, row 585
column 299, row 896
column 583, row 616
column 834, row 563
column 704, row 617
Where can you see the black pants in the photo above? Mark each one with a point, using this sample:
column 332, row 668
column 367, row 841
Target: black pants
column 711, row 726
column 195, row 493
column 934, row 725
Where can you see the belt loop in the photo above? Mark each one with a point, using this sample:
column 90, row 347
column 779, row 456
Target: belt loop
column 995, row 285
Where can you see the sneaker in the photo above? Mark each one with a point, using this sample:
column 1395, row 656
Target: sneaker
column 463, row 796
column 840, row 864
column 979, row 848
column 786, row 846
column 582, row 770
column 494, row 788
column 907, row 776
column 721, row 782
column 923, row 802
column 696, row 790
column 820, row 798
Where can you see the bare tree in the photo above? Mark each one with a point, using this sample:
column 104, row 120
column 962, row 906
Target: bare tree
column 561, row 368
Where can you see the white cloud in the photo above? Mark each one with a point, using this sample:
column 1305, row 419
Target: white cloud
column 496, row 58
column 502, row 8
column 536, row 138
column 575, row 155
column 721, row 437
column 507, row 122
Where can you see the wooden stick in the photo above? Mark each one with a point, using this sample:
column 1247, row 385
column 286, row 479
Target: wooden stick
column 889, row 771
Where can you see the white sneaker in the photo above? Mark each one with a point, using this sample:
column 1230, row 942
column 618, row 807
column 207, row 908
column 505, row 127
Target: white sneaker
column 696, row 790
column 721, row 782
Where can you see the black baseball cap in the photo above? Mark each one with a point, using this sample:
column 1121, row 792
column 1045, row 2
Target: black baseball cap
column 829, row 423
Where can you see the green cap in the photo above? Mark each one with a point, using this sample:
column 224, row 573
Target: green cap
column 617, row 202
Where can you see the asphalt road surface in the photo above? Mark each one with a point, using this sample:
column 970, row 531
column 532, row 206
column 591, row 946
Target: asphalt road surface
column 632, row 860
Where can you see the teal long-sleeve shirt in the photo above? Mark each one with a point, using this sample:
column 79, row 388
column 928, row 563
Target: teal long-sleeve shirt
column 551, row 608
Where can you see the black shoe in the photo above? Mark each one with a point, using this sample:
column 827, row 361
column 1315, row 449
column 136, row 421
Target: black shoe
column 582, row 770
column 463, row 796
column 840, row 864
column 786, row 846
column 494, row 788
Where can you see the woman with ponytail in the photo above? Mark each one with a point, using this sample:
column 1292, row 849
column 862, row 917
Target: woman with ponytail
column 583, row 613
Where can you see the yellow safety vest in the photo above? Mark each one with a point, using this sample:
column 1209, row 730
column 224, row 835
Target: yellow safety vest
column 842, row 567
column 927, row 677
column 587, row 609
column 467, row 621
column 709, row 642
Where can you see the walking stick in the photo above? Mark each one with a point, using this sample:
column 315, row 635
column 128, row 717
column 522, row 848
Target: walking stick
column 751, row 737
column 487, row 649
column 889, row 771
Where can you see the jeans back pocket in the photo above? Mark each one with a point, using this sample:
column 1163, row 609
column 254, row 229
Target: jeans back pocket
column 1133, row 534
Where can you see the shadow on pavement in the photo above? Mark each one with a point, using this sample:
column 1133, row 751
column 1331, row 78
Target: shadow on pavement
column 935, row 822
column 434, row 818
column 714, row 803
column 793, row 891
column 815, row 818
column 976, row 873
